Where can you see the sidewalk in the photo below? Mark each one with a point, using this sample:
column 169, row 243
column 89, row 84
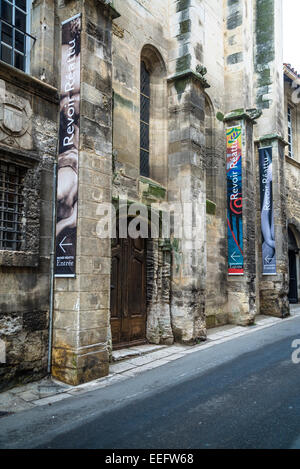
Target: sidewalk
column 126, row 364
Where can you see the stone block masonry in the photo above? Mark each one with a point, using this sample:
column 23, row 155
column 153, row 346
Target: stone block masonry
column 82, row 305
column 24, row 273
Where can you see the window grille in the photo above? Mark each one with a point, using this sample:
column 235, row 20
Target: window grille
column 14, row 33
column 145, row 121
column 290, row 132
column 11, row 206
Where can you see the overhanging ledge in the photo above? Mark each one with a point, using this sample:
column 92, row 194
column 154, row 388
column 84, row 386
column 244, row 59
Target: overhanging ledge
column 189, row 74
column 270, row 137
column 108, row 4
column 243, row 114
column 27, row 82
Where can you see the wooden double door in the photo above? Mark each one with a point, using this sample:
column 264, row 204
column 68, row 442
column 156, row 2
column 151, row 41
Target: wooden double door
column 293, row 290
column 128, row 292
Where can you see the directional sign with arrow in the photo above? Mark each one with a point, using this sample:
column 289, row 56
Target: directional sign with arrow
column 62, row 244
column 235, row 256
column 67, row 172
column 268, row 259
column 234, row 176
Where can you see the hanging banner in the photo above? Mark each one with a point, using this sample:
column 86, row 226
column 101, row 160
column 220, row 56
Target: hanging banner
column 67, row 176
column 267, row 211
column 235, row 201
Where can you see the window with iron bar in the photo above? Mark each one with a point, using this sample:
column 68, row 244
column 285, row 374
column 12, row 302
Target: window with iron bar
column 14, row 33
column 145, row 121
column 11, row 206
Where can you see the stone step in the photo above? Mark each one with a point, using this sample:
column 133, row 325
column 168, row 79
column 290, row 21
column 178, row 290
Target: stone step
column 137, row 351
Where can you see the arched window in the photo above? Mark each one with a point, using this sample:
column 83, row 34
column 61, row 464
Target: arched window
column 153, row 115
column 145, row 121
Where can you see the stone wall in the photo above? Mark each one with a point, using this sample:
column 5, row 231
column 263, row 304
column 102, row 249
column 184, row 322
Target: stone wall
column 292, row 190
column 270, row 131
column 81, row 307
column 216, row 228
column 141, row 33
column 238, row 51
column 292, row 163
column 159, row 327
column 200, row 55
column 140, row 24
column 24, row 275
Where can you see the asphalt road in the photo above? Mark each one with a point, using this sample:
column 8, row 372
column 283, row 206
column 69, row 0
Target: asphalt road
column 244, row 393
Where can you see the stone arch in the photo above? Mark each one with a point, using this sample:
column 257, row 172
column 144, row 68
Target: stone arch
column 153, row 59
column 294, row 227
column 158, row 280
column 158, row 112
column 128, row 310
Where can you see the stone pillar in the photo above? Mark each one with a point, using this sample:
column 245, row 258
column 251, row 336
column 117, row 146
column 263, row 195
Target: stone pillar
column 187, row 188
column 242, row 288
column 187, row 18
column 186, row 167
column 42, row 62
column 274, row 288
column 159, row 330
column 82, row 305
column 269, row 91
column 238, row 54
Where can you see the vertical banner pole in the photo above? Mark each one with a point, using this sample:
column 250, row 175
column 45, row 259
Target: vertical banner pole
column 234, row 200
column 67, row 177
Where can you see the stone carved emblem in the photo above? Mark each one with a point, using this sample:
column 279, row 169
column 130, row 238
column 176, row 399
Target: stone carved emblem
column 15, row 119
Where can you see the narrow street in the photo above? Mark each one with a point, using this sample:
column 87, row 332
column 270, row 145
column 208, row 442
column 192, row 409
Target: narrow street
column 243, row 393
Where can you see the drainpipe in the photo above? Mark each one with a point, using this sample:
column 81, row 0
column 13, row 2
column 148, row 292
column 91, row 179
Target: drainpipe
column 52, row 258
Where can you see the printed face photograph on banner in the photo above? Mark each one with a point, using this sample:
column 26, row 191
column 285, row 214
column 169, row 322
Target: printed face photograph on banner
column 267, row 211
column 235, row 201
column 67, row 176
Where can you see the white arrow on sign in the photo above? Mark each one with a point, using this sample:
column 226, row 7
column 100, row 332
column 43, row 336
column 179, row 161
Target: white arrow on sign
column 235, row 257
column 62, row 245
column 268, row 259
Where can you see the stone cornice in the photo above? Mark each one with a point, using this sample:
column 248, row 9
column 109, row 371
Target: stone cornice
column 17, row 154
column 189, row 74
column 243, row 114
column 108, row 4
column 270, row 137
column 292, row 161
column 28, row 83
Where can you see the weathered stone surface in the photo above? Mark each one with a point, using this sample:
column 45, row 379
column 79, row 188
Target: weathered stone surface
column 206, row 59
column 274, row 291
column 159, row 329
column 24, row 274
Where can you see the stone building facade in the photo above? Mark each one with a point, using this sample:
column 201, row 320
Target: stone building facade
column 292, row 167
column 160, row 83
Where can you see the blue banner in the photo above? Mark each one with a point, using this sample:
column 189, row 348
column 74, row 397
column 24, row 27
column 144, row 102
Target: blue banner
column 235, row 201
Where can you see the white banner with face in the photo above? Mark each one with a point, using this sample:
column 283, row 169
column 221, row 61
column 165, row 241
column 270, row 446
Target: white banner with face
column 67, row 176
column 267, row 211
